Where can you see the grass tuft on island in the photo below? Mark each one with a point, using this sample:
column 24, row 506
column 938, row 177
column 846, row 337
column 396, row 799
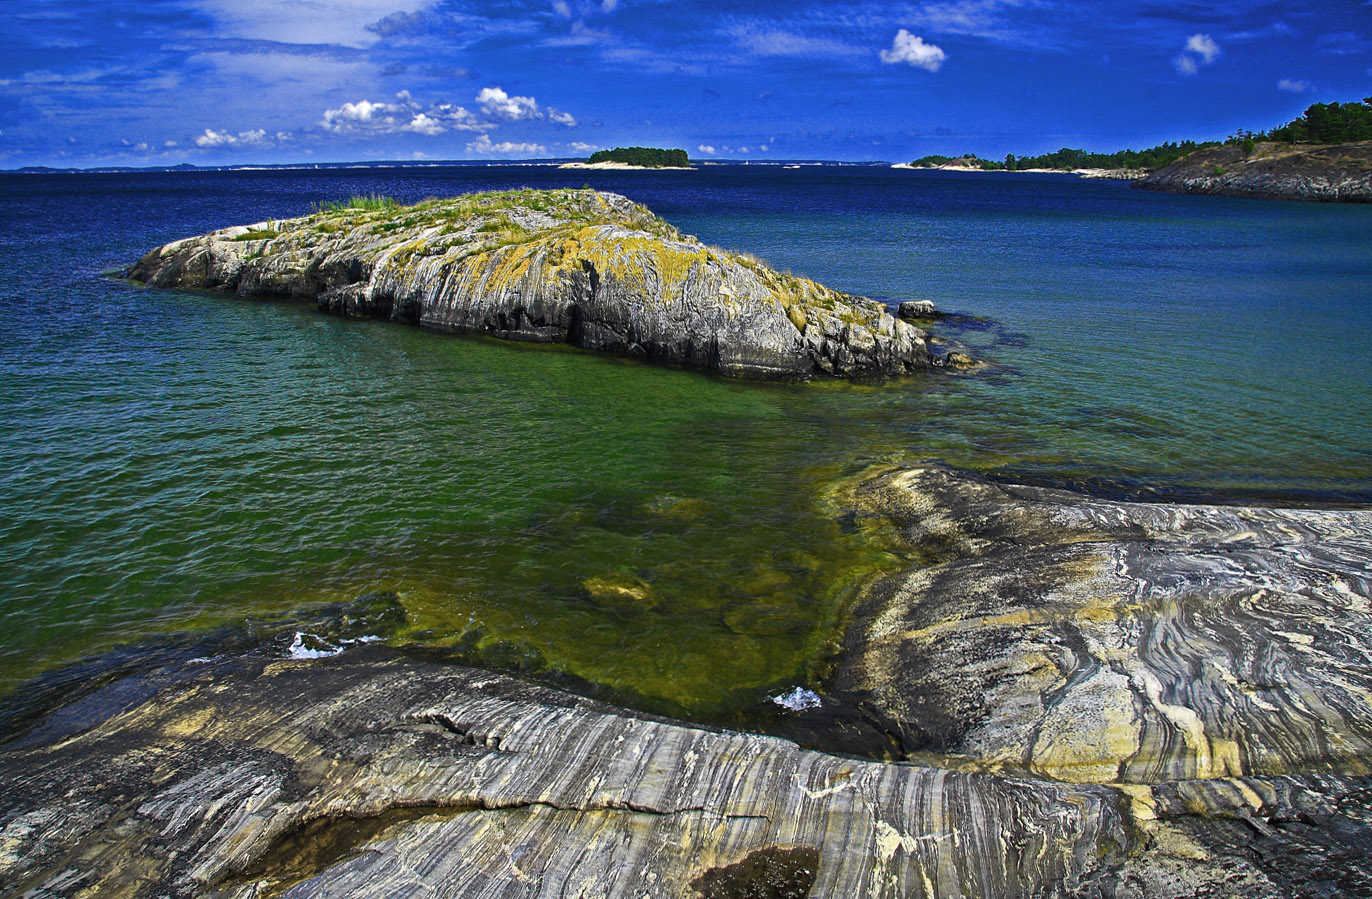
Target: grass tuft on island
column 360, row 202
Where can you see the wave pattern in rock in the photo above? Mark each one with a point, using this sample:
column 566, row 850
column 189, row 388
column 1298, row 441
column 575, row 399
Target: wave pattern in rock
column 1086, row 640
column 1092, row 698
column 588, row 268
column 366, row 774
column 475, row 784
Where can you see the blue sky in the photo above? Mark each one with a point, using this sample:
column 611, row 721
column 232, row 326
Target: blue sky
column 211, row 82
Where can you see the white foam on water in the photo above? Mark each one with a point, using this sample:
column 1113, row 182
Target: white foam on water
column 798, row 700
column 318, row 648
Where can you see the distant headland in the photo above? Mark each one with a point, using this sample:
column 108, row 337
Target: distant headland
column 1325, row 155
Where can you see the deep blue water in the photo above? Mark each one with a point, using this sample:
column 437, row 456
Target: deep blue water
column 172, row 461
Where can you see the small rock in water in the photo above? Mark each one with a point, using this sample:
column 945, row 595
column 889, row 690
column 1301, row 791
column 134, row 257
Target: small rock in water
column 621, row 591
column 798, row 700
column 913, row 309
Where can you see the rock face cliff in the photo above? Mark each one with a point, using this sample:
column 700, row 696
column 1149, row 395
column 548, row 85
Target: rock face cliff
column 1276, row 171
column 577, row 266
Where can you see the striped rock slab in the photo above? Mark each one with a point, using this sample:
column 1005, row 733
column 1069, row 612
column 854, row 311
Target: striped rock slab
column 1076, row 697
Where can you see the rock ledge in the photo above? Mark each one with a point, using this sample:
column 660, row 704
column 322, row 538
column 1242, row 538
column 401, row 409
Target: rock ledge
column 1325, row 173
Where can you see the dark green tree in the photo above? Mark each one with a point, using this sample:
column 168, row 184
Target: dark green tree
column 644, row 156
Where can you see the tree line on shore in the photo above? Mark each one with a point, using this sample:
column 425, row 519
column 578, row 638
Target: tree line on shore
column 648, row 157
column 1321, row 123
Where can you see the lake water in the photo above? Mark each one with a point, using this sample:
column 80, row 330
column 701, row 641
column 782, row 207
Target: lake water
column 174, row 463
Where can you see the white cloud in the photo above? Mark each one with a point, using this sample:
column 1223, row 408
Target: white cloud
column 909, row 48
column 403, row 114
column 706, row 149
column 212, row 138
column 423, row 123
column 1204, row 46
column 785, row 43
column 1294, row 86
column 1200, row 50
column 359, row 113
column 316, row 22
column 483, row 146
column 972, row 17
column 583, row 147
column 1000, row 21
column 496, row 102
column 580, row 35
column 569, row 8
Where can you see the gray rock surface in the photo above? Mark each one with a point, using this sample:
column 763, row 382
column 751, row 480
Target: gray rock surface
column 367, row 774
column 1324, row 173
column 914, row 310
column 1087, row 698
column 587, row 268
column 1050, row 634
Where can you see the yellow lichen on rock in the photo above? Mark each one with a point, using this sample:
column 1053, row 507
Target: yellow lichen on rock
column 659, row 269
column 1090, row 732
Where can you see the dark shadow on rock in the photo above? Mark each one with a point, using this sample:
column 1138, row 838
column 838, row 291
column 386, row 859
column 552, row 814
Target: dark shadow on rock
column 772, row 873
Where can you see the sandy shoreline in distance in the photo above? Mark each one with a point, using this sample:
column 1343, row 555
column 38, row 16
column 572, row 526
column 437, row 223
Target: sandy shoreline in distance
column 624, row 166
column 1096, row 174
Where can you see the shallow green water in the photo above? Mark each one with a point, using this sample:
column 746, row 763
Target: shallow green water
column 174, row 462
column 243, row 459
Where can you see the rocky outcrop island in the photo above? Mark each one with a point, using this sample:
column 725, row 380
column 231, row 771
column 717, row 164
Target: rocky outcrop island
column 1272, row 170
column 583, row 267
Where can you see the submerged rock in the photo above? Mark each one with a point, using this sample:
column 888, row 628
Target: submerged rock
column 578, row 266
column 622, row 591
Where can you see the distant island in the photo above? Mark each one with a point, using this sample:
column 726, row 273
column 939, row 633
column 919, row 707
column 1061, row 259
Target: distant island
column 1326, row 154
column 634, row 158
